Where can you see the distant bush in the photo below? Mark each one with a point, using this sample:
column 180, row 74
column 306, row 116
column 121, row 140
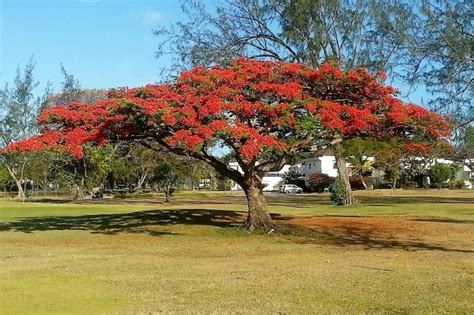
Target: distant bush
column 318, row 181
column 459, row 184
column 410, row 185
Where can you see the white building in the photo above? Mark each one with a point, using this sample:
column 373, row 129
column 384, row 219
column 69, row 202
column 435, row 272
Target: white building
column 271, row 181
column 467, row 175
column 326, row 163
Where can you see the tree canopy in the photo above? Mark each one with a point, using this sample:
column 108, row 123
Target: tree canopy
column 265, row 112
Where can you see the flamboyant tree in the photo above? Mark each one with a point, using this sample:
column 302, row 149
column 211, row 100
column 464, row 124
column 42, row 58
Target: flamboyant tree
column 264, row 112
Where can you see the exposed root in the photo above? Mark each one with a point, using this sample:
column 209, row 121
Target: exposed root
column 250, row 226
column 351, row 201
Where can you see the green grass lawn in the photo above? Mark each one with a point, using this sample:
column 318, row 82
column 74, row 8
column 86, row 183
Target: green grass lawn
column 412, row 252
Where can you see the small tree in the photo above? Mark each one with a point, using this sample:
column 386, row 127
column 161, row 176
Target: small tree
column 338, row 192
column 389, row 159
column 168, row 178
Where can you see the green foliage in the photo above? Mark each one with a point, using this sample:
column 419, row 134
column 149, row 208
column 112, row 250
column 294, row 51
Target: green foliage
column 441, row 173
column 338, row 192
column 459, row 184
column 19, row 107
column 468, row 143
column 292, row 177
column 168, row 175
column 4, row 176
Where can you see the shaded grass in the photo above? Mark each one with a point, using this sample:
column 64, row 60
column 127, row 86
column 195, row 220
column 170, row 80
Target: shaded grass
column 147, row 257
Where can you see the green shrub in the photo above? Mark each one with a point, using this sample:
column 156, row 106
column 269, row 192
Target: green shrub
column 440, row 173
column 338, row 192
column 459, row 184
column 410, row 185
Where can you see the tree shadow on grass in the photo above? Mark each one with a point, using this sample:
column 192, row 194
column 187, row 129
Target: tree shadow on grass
column 388, row 200
column 147, row 222
column 153, row 201
column 133, row 222
column 354, row 237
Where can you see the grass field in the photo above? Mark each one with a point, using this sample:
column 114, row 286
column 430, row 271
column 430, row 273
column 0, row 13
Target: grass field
column 408, row 253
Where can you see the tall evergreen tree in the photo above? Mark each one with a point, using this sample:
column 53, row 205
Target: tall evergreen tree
column 18, row 120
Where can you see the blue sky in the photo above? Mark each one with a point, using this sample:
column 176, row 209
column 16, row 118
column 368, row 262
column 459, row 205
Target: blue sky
column 103, row 43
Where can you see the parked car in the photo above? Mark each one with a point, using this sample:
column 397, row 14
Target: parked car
column 290, row 188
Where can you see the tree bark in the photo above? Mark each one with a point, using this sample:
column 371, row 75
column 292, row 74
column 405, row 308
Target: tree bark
column 258, row 217
column 12, row 171
column 343, row 172
column 141, row 181
column 167, row 193
column 363, row 182
column 21, row 191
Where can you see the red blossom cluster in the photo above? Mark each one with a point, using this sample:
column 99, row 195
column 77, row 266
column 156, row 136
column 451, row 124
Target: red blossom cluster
column 253, row 107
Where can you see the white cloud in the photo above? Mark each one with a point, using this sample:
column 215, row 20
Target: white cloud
column 151, row 17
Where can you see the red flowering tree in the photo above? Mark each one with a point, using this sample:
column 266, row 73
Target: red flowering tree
column 264, row 112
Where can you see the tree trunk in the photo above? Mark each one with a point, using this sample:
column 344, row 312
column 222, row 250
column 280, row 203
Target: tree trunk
column 258, row 217
column 167, row 193
column 12, row 171
column 363, row 182
column 45, row 183
column 343, row 172
column 141, row 181
column 21, row 191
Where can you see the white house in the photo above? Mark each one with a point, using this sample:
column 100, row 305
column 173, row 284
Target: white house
column 270, row 181
column 467, row 175
column 324, row 163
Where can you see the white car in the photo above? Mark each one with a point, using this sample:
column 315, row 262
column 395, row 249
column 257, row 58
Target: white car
column 290, row 188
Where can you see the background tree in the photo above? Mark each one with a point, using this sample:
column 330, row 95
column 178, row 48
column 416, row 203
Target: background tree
column 389, row 159
column 4, row 177
column 359, row 154
column 441, row 173
column 197, row 172
column 168, row 175
column 71, row 91
column 18, row 113
column 415, row 166
column 265, row 113
column 440, row 55
column 133, row 164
